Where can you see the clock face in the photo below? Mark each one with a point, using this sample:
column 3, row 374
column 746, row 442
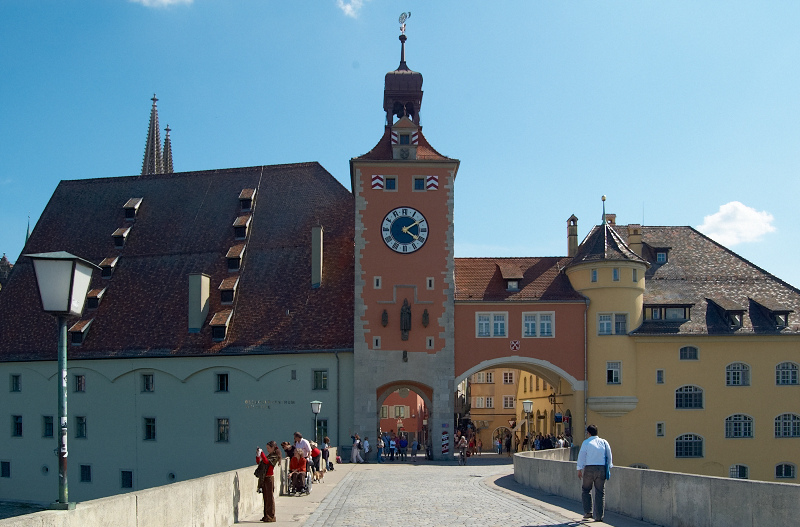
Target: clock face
column 404, row 230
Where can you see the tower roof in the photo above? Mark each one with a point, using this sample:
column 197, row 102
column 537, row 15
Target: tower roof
column 604, row 244
column 402, row 92
column 152, row 163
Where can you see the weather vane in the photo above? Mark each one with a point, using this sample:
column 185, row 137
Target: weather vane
column 403, row 18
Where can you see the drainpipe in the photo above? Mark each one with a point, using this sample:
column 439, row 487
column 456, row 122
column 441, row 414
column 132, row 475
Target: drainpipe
column 338, row 402
column 585, row 364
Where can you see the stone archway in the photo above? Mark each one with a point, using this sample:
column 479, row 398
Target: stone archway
column 420, row 427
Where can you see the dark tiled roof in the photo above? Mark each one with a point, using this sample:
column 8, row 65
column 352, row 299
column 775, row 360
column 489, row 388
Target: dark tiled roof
column 603, row 244
column 383, row 150
column 698, row 269
column 481, row 279
column 184, row 226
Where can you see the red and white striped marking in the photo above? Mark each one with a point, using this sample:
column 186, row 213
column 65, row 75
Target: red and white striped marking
column 432, row 182
column 377, row 182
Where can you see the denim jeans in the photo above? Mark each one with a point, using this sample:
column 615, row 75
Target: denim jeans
column 594, row 476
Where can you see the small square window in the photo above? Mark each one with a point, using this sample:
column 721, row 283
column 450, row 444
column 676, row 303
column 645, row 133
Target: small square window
column 429, row 283
column 659, row 376
column 234, row 264
column 126, row 479
column 148, row 382
column 613, row 370
column 16, row 382
column 390, row 183
column 508, row 401
column 80, row 427
column 222, row 382
column 419, row 183
column 399, row 411
column 508, row 377
column 80, row 383
column 320, row 380
column 5, row 469
column 661, row 257
column 405, row 139
column 660, row 429
column 47, row 426
column 16, row 426
column 384, row 412
column 86, row 473
column 223, row 430
column 688, row 353
column 149, row 428
column 513, row 285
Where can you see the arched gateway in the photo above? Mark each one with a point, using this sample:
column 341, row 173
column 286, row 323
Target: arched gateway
column 425, row 319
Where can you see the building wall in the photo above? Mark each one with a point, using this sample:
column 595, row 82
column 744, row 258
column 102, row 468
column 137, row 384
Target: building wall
column 263, row 403
column 412, row 363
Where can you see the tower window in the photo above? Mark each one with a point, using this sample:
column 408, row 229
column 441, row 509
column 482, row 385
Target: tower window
column 405, row 139
column 390, row 183
column 419, row 183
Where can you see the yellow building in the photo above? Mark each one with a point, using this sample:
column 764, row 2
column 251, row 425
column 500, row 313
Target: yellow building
column 692, row 353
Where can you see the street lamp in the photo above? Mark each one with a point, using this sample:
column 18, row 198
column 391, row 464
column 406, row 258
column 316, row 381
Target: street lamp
column 316, row 406
column 527, row 407
column 63, row 280
column 552, row 399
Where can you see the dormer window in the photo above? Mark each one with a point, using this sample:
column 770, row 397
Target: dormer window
column 661, row 257
column 234, row 257
column 131, row 208
column 227, row 289
column 241, row 226
column 107, row 266
column 77, row 333
column 735, row 319
column 120, row 235
column 513, row 285
column 246, row 198
column 219, row 325
column 93, row 298
column 405, row 139
column 772, row 311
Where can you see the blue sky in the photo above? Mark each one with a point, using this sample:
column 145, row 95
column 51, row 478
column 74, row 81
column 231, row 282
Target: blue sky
column 681, row 112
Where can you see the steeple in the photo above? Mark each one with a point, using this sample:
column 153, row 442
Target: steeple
column 402, row 92
column 167, row 153
column 152, row 163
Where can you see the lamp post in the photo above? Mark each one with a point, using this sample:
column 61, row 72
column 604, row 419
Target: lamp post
column 552, row 399
column 63, row 280
column 527, row 407
column 316, row 406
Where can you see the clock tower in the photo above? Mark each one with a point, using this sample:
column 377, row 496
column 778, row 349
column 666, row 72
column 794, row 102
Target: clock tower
column 404, row 270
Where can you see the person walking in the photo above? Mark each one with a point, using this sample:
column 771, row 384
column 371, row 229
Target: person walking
column 414, row 448
column 267, row 483
column 379, row 449
column 355, row 455
column 366, row 449
column 594, row 468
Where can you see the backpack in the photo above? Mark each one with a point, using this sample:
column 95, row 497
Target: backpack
column 360, row 445
column 330, row 465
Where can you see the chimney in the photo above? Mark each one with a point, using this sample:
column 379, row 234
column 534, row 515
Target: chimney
column 316, row 256
column 572, row 236
column 635, row 238
column 198, row 301
column 611, row 219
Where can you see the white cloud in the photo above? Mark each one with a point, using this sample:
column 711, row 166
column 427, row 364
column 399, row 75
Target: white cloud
column 350, row 8
column 737, row 223
column 161, row 3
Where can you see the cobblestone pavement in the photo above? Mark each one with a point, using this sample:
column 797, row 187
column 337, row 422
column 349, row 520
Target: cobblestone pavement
column 429, row 494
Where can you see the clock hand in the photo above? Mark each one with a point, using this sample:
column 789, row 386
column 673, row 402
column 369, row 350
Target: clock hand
column 405, row 229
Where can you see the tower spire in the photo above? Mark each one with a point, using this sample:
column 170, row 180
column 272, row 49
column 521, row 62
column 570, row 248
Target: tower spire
column 152, row 163
column 167, row 153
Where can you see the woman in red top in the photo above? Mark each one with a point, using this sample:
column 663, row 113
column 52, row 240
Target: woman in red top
column 316, row 455
column 297, row 470
column 267, row 483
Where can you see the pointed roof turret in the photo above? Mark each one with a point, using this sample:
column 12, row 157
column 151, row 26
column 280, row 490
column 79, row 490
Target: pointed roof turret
column 167, row 161
column 152, row 163
column 402, row 92
column 604, row 244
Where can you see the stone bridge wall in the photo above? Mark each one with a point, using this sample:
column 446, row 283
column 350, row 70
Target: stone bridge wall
column 670, row 499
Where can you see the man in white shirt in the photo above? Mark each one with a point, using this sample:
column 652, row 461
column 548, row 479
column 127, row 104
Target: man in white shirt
column 594, row 466
column 300, row 443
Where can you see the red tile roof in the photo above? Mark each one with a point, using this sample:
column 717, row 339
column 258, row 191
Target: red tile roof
column 183, row 226
column 481, row 279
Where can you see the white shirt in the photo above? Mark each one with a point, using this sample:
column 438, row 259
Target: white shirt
column 366, row 446
column 305, row 446
column 593, row 452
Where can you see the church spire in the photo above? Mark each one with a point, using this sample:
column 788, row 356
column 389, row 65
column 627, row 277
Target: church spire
column 152, row 149
column 167, row 153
